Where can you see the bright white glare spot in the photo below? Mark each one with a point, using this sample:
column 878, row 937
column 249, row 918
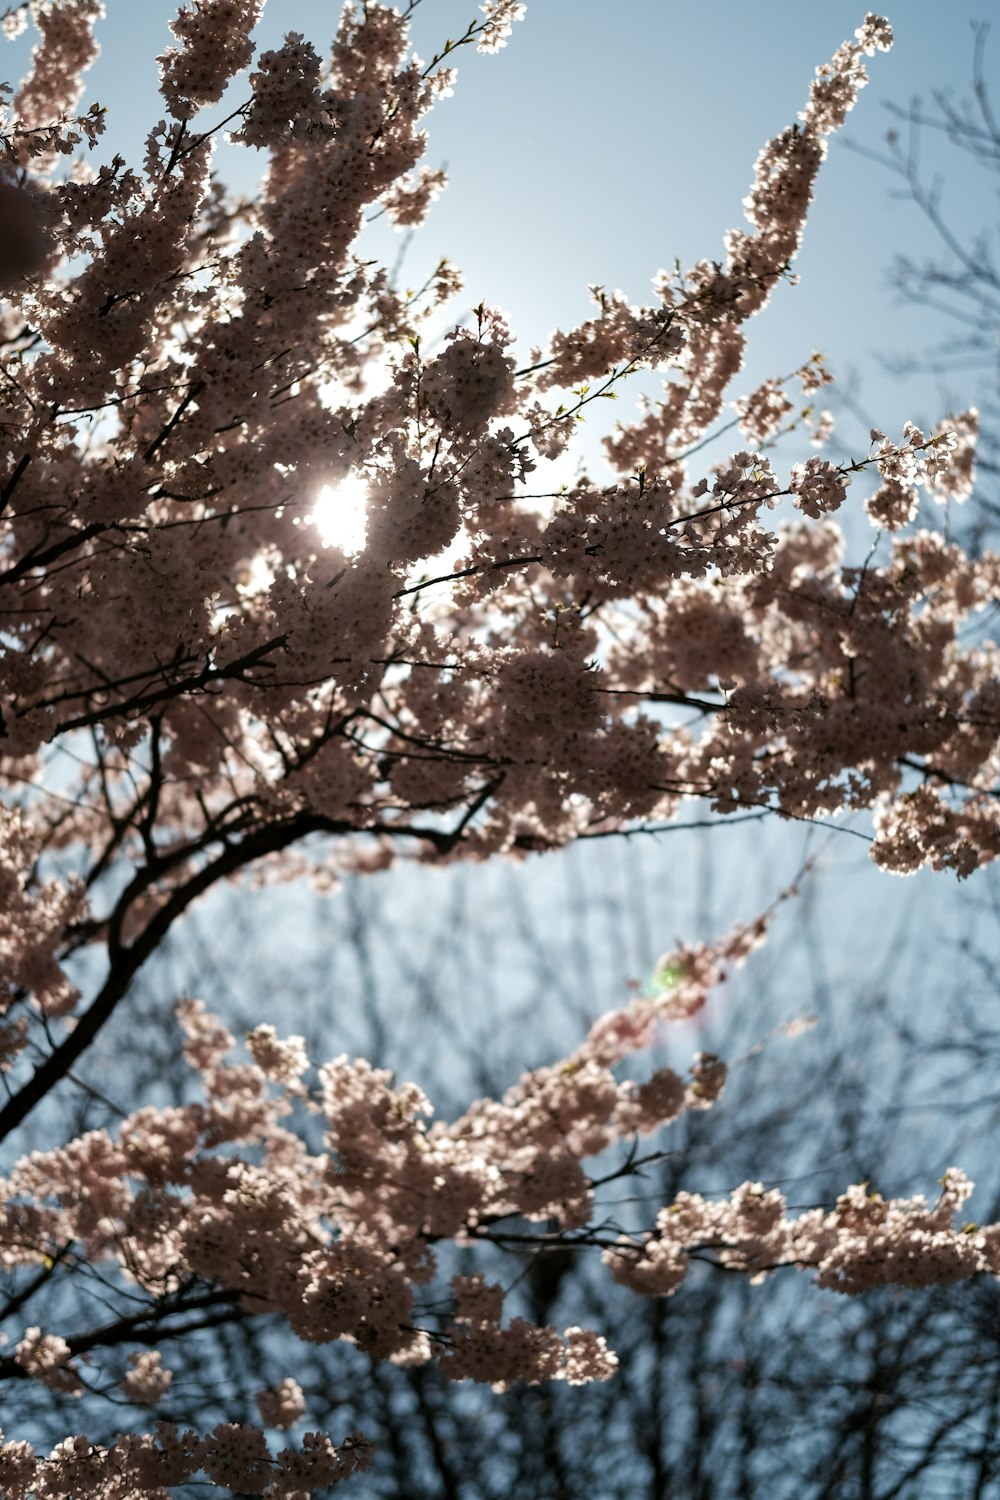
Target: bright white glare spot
column 340, row 514
column 255, row 578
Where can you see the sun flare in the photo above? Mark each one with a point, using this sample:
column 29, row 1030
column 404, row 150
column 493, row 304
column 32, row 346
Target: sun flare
column 340, row 514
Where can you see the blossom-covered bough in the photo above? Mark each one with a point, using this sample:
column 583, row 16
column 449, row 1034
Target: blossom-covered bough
column 192, row 684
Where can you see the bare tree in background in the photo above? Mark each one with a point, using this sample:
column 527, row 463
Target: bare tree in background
column 956, row 276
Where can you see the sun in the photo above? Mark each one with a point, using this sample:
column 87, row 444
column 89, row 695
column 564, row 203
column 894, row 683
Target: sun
column 340, row 514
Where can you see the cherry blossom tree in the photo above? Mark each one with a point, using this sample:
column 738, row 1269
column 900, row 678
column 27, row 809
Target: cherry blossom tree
column 196, row 688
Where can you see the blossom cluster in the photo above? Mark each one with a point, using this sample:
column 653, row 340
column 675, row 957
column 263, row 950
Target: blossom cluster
column 864, row 1241
column 233, row 1457
column 222, row 1194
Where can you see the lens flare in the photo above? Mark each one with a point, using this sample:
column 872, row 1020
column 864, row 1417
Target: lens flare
column 340, row 514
